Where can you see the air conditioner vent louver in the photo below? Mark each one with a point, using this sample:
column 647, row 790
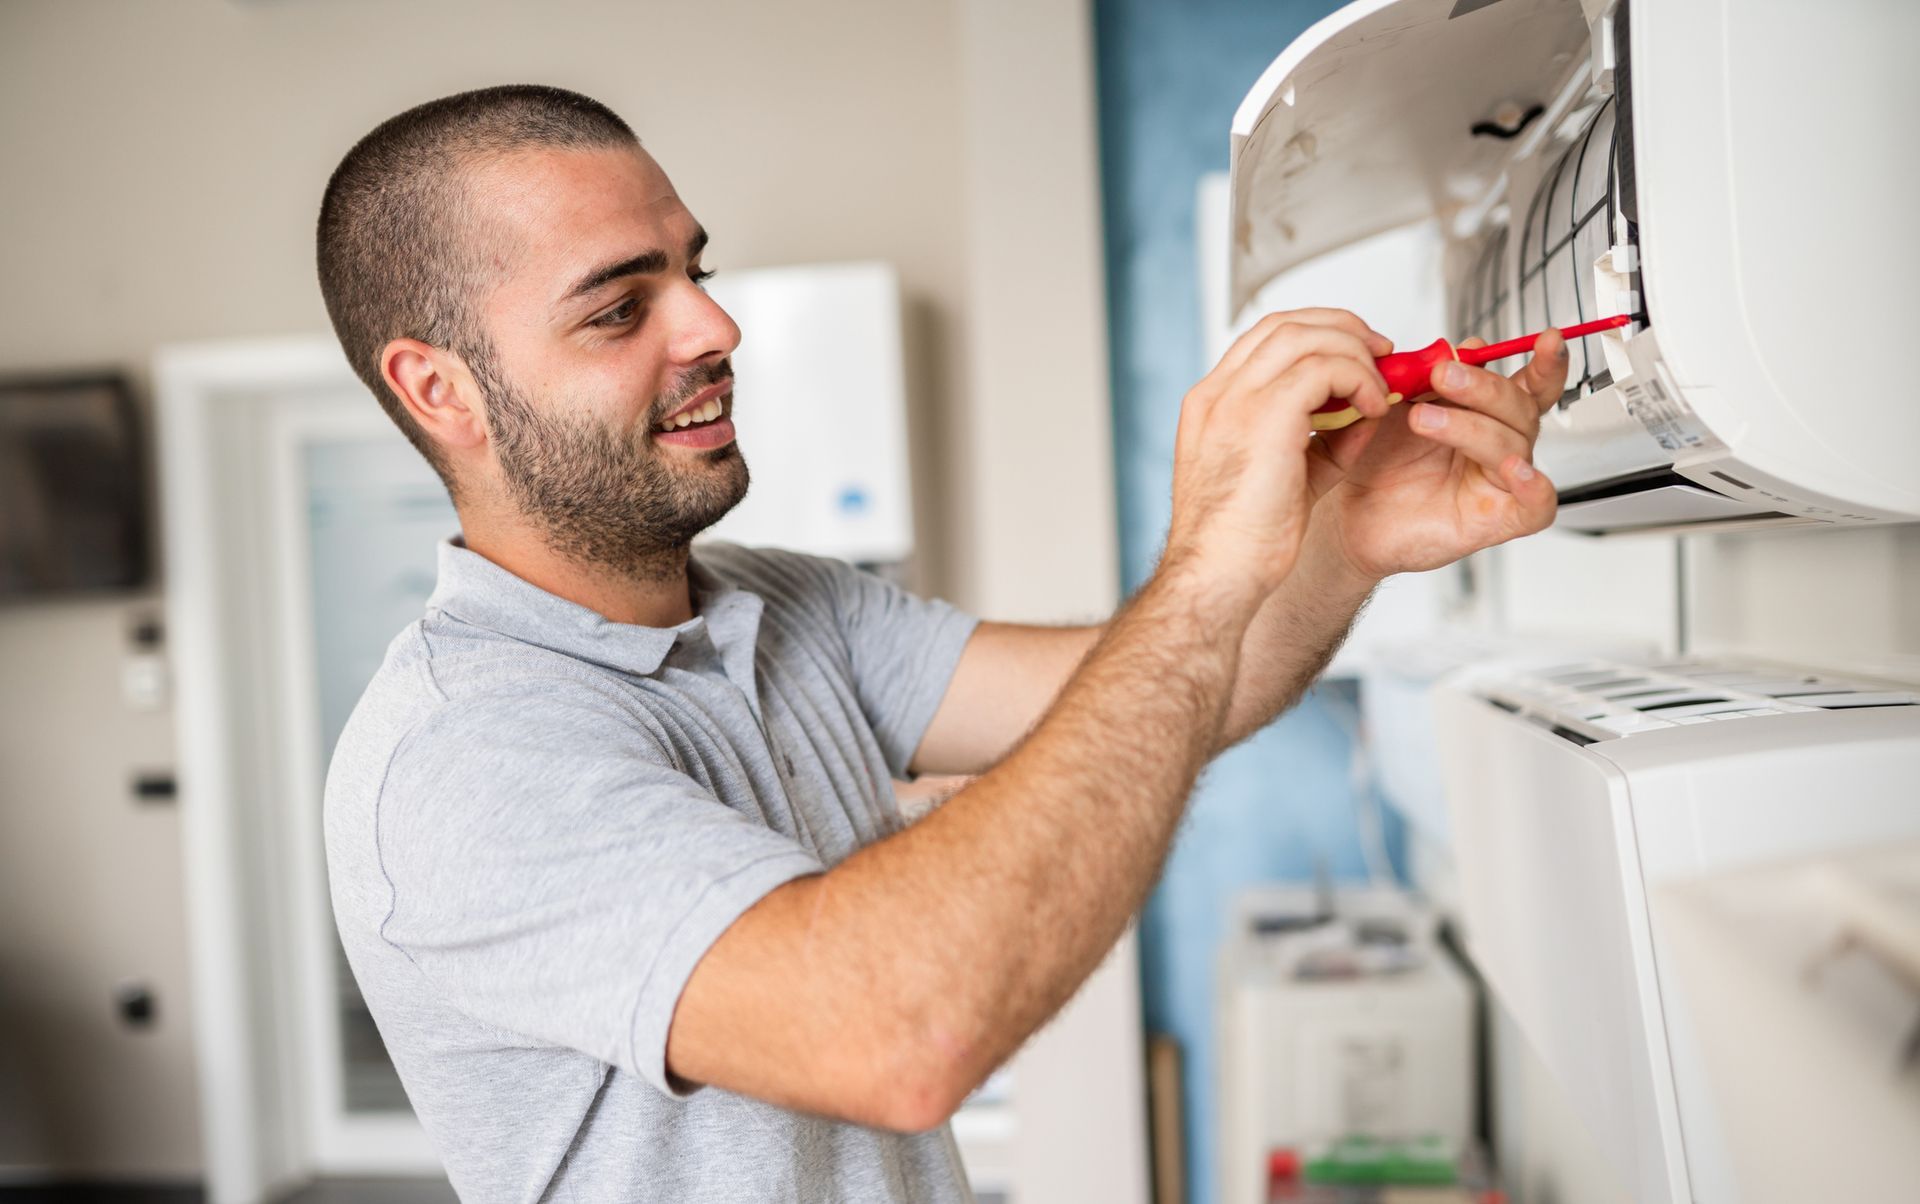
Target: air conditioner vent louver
column 1590, row 703
column 1690, row 700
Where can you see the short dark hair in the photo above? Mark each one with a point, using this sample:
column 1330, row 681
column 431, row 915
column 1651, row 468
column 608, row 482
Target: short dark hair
column 393, row 254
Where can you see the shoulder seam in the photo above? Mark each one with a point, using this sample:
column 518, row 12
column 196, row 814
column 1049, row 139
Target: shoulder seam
column 428, row 678
column 379, row 850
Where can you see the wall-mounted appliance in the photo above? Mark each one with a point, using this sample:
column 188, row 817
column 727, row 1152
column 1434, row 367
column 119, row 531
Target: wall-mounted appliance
column 1739, row 176
column 1586, row 801
column 821, row 407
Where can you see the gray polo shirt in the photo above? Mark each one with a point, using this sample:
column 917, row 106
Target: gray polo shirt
column 538, row 821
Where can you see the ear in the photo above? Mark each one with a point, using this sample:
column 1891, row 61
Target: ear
column 438, row 391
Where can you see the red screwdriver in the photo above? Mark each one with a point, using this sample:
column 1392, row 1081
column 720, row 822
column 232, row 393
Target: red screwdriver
column 1410, row 373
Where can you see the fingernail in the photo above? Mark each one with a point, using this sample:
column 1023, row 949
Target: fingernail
column 1453, row 375
column 1523, row 470
column 1429, row 418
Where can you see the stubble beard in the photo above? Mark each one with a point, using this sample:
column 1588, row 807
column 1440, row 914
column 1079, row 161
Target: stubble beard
column 603, row 497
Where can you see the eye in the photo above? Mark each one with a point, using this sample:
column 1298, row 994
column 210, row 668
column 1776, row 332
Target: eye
column 700, row 276
column 616, row 316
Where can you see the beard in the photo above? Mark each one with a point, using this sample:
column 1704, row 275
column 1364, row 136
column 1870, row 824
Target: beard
column 603, row 497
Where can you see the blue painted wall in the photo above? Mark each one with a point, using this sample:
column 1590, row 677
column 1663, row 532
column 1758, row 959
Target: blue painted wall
column 1171, row 73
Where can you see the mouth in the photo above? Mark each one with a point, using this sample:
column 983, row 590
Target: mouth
column 702, row 424
column 699, row 413
column 705, row 406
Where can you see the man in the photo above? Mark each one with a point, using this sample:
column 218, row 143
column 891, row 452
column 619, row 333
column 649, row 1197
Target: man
column 613, row 844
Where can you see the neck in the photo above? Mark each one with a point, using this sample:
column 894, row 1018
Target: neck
column 652, row 593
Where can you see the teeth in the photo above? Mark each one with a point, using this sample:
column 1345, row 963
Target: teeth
column 706, row 413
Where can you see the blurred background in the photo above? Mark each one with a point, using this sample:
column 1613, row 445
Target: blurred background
column 1015, row 214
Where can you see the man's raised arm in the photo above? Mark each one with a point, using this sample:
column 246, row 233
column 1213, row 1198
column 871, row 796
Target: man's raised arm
column 1010, row 674
column 1423, row 488
column 886, row 989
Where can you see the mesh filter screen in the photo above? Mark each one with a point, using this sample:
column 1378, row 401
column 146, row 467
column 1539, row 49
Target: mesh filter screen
column 1543, row 262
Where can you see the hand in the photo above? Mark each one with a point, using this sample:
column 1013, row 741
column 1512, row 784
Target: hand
column 1241, row 491
column 1436, row 480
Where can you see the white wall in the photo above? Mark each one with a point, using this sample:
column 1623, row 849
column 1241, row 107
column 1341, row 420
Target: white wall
column 1849, row 599
column 160, row 171
column 1843, row 598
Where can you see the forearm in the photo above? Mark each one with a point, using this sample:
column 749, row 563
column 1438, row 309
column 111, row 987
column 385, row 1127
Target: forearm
column 1295, row 634
column 957, row 938
column 886, row 988
column 1006, row 684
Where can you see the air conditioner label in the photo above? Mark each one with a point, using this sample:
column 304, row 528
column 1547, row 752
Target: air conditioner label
column 1667, row 418
column 1655, row 402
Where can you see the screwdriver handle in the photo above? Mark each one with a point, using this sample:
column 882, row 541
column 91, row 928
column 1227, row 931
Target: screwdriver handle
column 1409, row 374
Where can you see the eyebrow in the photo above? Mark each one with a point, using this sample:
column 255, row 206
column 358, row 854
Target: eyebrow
column 647, row 263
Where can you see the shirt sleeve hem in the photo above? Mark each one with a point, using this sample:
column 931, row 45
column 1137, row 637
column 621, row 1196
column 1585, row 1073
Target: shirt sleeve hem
column 901, row 738
column 723, row 902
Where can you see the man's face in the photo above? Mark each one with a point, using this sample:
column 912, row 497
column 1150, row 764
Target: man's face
column 600, row 344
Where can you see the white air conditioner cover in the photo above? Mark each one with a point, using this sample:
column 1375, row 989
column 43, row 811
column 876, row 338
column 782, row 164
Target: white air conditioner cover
column 1577, row 792
column 1754, row 206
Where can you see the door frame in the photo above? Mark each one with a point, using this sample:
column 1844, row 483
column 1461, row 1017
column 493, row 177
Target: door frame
column 267, row 1038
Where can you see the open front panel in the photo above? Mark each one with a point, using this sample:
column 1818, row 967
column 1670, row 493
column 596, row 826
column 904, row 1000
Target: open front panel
column 1328, row 149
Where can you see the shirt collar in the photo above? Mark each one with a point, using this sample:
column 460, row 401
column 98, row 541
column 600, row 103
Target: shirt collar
column 475, row 590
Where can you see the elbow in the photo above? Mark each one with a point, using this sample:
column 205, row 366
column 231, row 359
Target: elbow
column 915, row 1105
column 908, row 1088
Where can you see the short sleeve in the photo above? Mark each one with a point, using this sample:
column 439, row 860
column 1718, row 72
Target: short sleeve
column 903, row 648
column 556, row 877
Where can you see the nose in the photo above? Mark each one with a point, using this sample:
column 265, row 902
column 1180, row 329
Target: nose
column 702, row 330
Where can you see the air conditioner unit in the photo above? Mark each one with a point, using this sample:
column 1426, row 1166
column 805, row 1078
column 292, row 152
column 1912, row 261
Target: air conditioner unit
column 1738, row 176
column 1587, row 802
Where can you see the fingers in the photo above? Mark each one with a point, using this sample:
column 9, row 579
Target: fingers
column 1294, row 371
column 1306, row 384
column 1544, row 377
column 1538, row 498
column 1291, row 343
column 1341, row 319
column 1265, row 328
column 1518, row 400
column 1503, row 454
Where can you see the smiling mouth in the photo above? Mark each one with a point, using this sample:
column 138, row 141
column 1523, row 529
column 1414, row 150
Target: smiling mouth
column 700, row 415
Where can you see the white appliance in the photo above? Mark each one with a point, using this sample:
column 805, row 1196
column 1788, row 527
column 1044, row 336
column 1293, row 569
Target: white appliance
column 1738, row 175
column 1338, row 1016
column 820, row 403
column 1811, row 968
column 1581, row 797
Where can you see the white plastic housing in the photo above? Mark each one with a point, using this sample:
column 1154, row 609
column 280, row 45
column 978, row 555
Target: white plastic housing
column 1579, row 793
column 820, row 407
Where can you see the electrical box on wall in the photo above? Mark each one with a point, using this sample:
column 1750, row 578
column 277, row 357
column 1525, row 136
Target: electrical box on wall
column 821, row 406
column 1734, row 176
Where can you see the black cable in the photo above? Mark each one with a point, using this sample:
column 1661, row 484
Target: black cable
column 1493, row 129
